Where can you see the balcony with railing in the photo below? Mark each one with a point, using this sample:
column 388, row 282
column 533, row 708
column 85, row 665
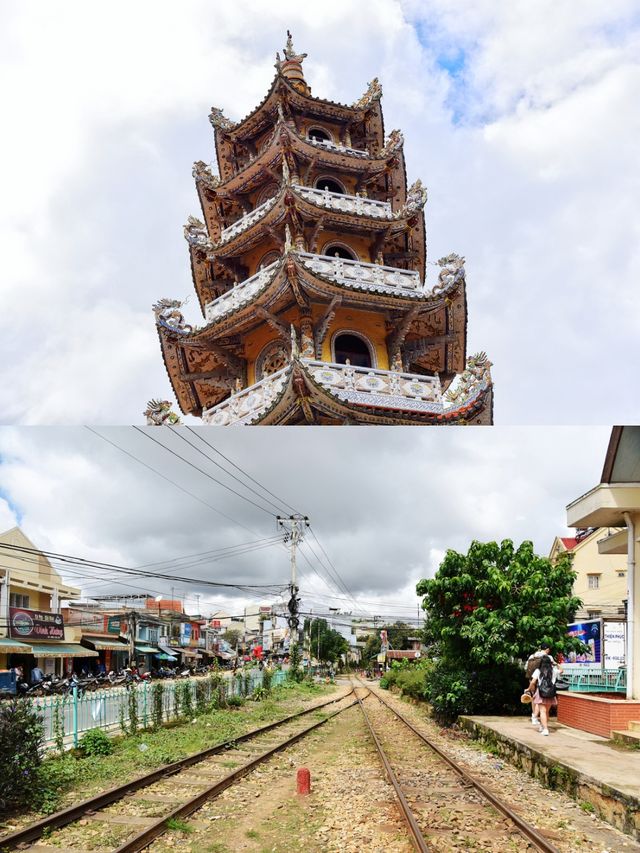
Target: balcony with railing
column 363, row 276
column 382, row 388
column 365, row 386
column 240, row 295
column 246, row 221
column 340, row 149
column 344, row 203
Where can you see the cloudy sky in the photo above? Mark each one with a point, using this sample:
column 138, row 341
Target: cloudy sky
column 522, row 118
column 383, row 503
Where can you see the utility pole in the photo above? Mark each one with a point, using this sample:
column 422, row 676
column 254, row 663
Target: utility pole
column 293, row 527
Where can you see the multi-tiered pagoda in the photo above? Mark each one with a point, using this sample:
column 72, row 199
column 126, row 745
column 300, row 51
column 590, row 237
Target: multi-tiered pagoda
column 310, row 272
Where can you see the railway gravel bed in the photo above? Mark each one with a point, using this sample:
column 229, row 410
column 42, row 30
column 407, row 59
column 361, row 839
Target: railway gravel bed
column 556, row 816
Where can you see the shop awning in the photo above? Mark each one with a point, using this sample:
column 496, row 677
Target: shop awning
column 225, row 655
column 147, row 650
column 171, row 655
column 8, row 646
column 188, row 653
column 61, row 650
column 104, row 644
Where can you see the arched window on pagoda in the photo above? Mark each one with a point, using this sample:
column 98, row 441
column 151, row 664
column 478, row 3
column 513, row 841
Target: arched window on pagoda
column 326, row 183
column 351, row 347
column 266, row 193
column 319, row 134
column 273, row 357
column 340, row 250
column 267, row 259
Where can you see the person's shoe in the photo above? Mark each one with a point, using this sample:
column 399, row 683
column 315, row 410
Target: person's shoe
column 535, row 721
column 544, row 732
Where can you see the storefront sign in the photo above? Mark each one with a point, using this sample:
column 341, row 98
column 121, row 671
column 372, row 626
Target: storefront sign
column 614, row 645
column 35, row 624
column 589, row 633
column 113, row 625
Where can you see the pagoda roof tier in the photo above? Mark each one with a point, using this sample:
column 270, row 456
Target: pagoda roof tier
column 340, row 211
column 427, row 328
column 309, row 391
column 287, row 139
column 281, row 93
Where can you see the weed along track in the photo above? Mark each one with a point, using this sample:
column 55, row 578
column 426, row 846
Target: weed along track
column 444, row 808
column 132, row 815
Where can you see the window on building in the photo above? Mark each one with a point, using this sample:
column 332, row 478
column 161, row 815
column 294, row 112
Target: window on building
column 319, row 134
column 340, row 252
column 353, row 348
column 594, row 581
column 329, row 184
column 621, row 574
column 18, row 599
column 594, row 614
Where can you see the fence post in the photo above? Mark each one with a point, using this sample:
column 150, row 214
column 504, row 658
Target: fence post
column 144, row 704
column 75, row 716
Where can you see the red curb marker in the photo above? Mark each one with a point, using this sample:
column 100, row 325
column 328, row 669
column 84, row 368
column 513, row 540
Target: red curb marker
column 303, row 779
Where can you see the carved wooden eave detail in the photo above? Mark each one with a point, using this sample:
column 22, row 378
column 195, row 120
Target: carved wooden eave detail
column 280, row 328
column 323, row 324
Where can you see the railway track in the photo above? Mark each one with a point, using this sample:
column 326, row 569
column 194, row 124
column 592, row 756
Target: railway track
column 177, row 789
column 441, row 804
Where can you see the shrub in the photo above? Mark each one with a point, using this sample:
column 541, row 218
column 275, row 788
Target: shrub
column 186, row 699
column 96, row 742
column 201, row 697
column 157, row 703
column 132, row 703
column 452, row 690
column 21, row 733
column 259, row 694
column 267, row 678
column 235, row 701
column 54, row 776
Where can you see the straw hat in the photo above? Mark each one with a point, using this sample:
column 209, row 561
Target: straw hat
column 526, row 698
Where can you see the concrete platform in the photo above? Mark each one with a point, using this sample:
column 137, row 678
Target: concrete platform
column 584, row 765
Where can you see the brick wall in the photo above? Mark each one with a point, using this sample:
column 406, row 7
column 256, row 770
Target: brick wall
column 596, row 714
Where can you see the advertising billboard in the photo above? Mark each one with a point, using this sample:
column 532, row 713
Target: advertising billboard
column 35, row 624
column 590, row 633
column 614, row 645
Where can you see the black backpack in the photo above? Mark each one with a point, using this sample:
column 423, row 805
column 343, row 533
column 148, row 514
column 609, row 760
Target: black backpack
column 546, row 687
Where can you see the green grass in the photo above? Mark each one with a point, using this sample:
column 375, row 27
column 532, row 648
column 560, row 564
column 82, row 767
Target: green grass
column 587, row 807
column 74, row 773
column 179, row 825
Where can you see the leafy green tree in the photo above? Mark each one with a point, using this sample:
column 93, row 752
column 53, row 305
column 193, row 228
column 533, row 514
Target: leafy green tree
column 326, row 643
column 485, row 610
column 398, row 634
column 21, row 734
column 495, row 604
column 232, row 636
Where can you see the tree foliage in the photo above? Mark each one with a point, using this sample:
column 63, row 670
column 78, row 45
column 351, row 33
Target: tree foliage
column 326, row 644
column 21, row 732
column 398, row 634
column 496, row 603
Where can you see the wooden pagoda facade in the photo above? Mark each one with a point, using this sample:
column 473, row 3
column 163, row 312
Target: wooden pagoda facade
column 309, row 268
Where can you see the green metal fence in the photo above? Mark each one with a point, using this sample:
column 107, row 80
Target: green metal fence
column 601, row 681
column 66, row 718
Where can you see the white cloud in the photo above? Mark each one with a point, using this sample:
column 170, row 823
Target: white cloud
column 385, row 509
column 528, row 149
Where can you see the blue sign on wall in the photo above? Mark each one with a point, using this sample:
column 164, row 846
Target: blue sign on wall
column 590, row 633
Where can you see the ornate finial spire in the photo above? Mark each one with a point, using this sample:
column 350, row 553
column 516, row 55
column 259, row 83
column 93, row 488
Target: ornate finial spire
column 291, row 66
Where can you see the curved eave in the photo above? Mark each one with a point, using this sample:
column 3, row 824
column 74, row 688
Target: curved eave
column 319, row 398
column 242, row 317
column 253, row 122
column 355, row 222
column 175, row 365
column 251, row 175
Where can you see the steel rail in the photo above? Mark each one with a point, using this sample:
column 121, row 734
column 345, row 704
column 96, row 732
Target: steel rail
column 66, row 816
column 144, row 838
column 408, row 816
column 526, row 829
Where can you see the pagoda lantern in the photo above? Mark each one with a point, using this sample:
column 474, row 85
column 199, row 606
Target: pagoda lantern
column 309, row 267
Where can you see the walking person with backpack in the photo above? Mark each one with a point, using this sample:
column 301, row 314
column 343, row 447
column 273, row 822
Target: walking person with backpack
column 543, row 681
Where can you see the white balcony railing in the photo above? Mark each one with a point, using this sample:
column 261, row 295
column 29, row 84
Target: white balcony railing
column 240, row 295
column 364, row 386
column 382, row 388
column 246, row 221
column 341, row 149
column 346, row 203
column 363, row 276
column 246, row 405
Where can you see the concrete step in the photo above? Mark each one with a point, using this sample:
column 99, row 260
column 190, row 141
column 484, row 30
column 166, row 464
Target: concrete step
column 634, row 725
column 627, row 737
